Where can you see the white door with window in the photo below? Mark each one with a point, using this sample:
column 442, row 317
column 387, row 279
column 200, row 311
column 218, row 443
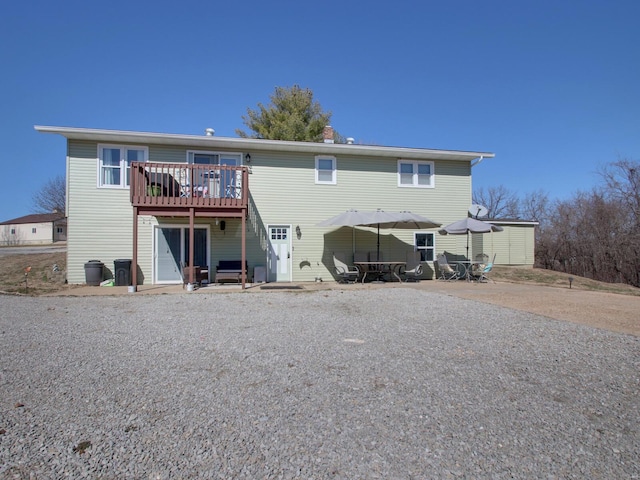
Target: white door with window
column 279, row 253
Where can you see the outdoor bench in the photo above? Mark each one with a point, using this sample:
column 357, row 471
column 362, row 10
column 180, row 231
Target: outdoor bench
column 230, row 270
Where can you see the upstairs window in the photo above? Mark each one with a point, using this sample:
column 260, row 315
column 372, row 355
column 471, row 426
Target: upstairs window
column 415, row 174
column 114, row 162
column 326, row 170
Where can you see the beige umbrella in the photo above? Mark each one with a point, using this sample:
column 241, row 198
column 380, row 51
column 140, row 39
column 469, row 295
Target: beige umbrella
column 467, row 226
column 380, row 219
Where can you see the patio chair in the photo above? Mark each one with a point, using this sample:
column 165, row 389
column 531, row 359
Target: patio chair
column 447, row 272
column 482, row 276
column 345, row 273
column 413, row 270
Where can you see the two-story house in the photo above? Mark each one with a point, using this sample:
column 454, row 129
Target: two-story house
column 169, row 200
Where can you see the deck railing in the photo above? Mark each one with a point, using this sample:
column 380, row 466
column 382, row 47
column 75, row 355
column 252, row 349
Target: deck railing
column 159, row 184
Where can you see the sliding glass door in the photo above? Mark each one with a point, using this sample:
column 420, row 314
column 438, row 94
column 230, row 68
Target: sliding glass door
column 171, row 251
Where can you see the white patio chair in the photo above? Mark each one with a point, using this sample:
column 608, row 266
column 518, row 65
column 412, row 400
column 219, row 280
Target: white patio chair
column 345, row 273
column 413, row 269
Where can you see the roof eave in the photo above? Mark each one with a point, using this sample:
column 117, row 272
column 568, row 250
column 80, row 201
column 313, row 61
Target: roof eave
column 251, row 144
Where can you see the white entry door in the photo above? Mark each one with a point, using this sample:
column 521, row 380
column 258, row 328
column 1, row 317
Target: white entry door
column 279, row 253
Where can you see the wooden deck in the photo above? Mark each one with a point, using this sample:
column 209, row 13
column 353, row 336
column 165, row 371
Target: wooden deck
column 168, row 188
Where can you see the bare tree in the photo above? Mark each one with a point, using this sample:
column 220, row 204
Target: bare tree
column 594, row 234
column 51, row 197
column 535, row 206
column 500, row 202
column 622, row 183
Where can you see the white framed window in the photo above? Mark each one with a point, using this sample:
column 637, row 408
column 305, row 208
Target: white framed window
column 217, row 182
column 424, row 242
column 33, row 230
column 13, row 231
column 326, row 171
column 417, row 174
column 114, row 162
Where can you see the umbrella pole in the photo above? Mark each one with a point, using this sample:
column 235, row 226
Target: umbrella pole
column 353, row 242
column 467, row 244
column 378, row 252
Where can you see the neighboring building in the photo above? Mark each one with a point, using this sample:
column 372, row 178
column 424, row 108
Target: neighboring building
column 35, row 229
column 143, row 196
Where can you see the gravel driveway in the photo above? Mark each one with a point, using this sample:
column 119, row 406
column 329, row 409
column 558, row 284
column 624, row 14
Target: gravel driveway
column 396, row 383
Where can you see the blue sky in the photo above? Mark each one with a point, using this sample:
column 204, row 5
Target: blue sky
column 551, row 87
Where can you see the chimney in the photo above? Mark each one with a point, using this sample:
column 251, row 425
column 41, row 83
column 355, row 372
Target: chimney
column 327, row 134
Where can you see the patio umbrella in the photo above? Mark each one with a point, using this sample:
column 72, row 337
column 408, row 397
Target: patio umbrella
column 363, row 218
column 352, row 218
column 467, row 226
column 380, row 219
column 409, row 221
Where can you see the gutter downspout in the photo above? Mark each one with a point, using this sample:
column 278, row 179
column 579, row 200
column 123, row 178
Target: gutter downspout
column 477, row 161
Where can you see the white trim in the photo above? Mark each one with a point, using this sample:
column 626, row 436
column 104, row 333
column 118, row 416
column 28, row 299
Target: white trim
column 121, row 136
column 334, row 170
column 192, row 152
column 415, row 247
column 415, row 174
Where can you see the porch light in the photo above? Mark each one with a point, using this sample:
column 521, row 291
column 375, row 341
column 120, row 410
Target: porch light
column 247, row 158
column 298, row 232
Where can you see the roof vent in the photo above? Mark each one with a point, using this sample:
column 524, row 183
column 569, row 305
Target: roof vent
column 350, row 140
column 210, row 132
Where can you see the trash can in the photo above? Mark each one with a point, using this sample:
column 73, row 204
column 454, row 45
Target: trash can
column 259, row 274
column 93, row 272
column 122, row 272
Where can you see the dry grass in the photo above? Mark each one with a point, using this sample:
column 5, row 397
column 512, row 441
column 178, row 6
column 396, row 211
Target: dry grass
column 41, row 279
column 539, row 276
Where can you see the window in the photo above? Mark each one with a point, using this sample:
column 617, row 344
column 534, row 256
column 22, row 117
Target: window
column 13, row 231
column 425, row 244
column 114, row 162
column 59, row 230
column 33, row 230
column 217, row 182
column 326, row 170
column 415, row 174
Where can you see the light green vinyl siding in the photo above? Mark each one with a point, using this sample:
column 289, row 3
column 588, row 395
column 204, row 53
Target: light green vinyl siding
column 283, row 188
column 100, row 221
column 513, row 246
column 283, row 192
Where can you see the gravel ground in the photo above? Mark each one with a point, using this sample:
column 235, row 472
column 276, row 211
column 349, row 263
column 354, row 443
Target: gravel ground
column 394, row 383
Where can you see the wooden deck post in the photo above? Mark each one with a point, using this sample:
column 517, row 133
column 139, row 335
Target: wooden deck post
column 244, row 248
column 192, row 269
column 134, row 256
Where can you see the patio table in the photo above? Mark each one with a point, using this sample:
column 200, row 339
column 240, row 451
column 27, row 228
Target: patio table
column 464, row 267
column 379, row 269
